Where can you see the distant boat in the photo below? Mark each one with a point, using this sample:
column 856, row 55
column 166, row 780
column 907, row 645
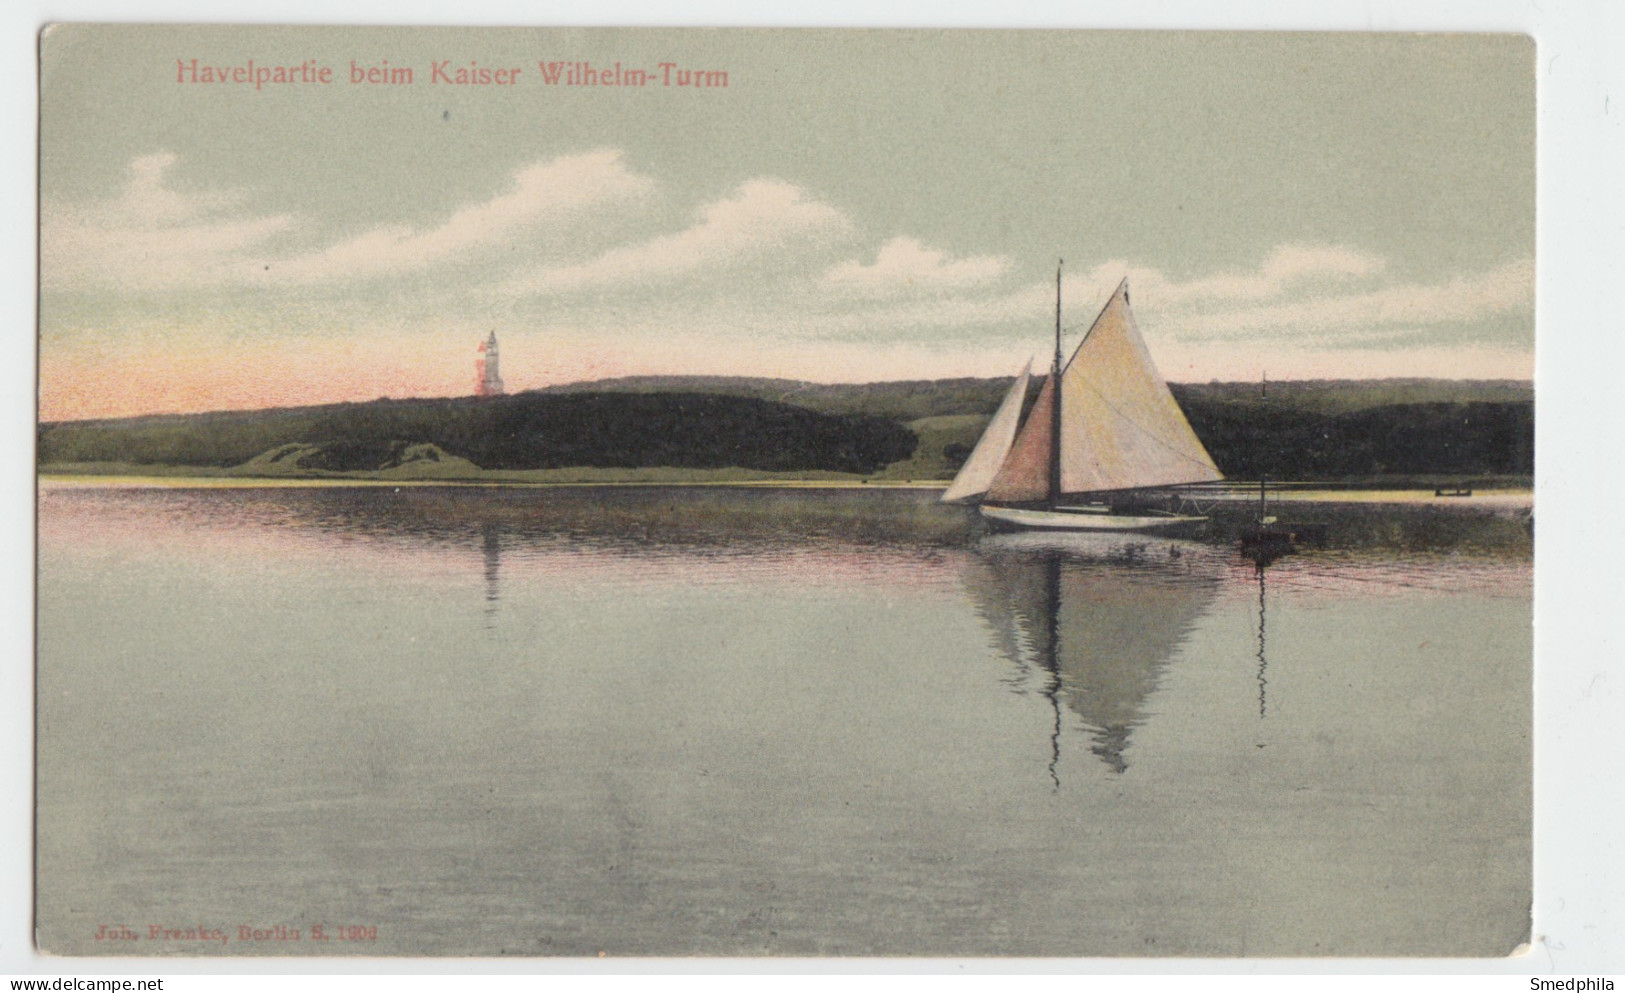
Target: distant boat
column 1266, row 539
column 1086, row 459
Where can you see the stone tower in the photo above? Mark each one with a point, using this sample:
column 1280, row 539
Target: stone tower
column 487, row 372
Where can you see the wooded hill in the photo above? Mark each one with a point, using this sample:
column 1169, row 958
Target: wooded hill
column 525, row 431
column 1313, row 430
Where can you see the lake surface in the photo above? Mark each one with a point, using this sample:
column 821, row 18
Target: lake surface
column 696, row 721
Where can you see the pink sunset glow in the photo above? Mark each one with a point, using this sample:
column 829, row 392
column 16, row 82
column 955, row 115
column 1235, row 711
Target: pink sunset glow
column 252, row 377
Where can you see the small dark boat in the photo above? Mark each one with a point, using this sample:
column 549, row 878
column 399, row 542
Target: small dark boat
column 1263, row 543
column 1266, row 539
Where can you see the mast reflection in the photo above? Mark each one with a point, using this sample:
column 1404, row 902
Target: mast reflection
column 491, row 545
column 1091, row 622
column 1262, row 558
column 1263, row 663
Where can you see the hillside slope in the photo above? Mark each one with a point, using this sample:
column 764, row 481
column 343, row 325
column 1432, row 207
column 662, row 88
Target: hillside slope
column 527, row 431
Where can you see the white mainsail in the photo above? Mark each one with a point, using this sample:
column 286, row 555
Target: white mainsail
column 1120, row 426
column 1107, row 423
column 976, row 475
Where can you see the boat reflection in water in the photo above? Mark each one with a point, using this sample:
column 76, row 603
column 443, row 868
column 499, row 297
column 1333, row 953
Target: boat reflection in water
column 1262, row 557
column 1092, row 622
column 1263, row 663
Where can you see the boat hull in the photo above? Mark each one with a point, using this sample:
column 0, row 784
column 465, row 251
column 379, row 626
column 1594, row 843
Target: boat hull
column 1082, row 520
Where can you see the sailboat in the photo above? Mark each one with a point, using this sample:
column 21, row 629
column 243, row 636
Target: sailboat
column 1103, row 432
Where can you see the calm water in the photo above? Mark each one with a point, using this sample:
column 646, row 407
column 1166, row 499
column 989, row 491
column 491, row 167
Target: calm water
column 674, row 722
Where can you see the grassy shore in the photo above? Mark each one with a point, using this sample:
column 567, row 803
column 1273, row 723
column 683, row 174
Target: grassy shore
column 1488, row 494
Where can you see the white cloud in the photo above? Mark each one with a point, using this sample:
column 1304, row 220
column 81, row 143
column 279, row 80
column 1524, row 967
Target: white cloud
column 149, row 236
column 1411, row 305
column 1289, row 270
column 1332, row 296
column 1325, row 299
column 770, row 265
column 903, row 265
column 545, row 192
column 152, row 237
column 148, row 202
column 764, row 221
column 1292, row 262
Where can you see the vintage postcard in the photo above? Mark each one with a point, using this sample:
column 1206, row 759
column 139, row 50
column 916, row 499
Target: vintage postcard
column 629, row 492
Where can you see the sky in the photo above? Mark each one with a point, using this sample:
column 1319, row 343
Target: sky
column 852, row 206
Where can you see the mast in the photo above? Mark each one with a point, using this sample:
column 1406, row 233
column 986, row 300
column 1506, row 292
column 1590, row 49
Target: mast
column 1263, row 398
column 1055, row 409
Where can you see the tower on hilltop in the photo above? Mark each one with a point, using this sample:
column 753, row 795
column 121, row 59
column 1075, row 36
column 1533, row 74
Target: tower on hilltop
column 487, row 373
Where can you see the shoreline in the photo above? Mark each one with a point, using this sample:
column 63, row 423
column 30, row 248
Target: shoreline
column 1497, row 498
column 97, row 480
